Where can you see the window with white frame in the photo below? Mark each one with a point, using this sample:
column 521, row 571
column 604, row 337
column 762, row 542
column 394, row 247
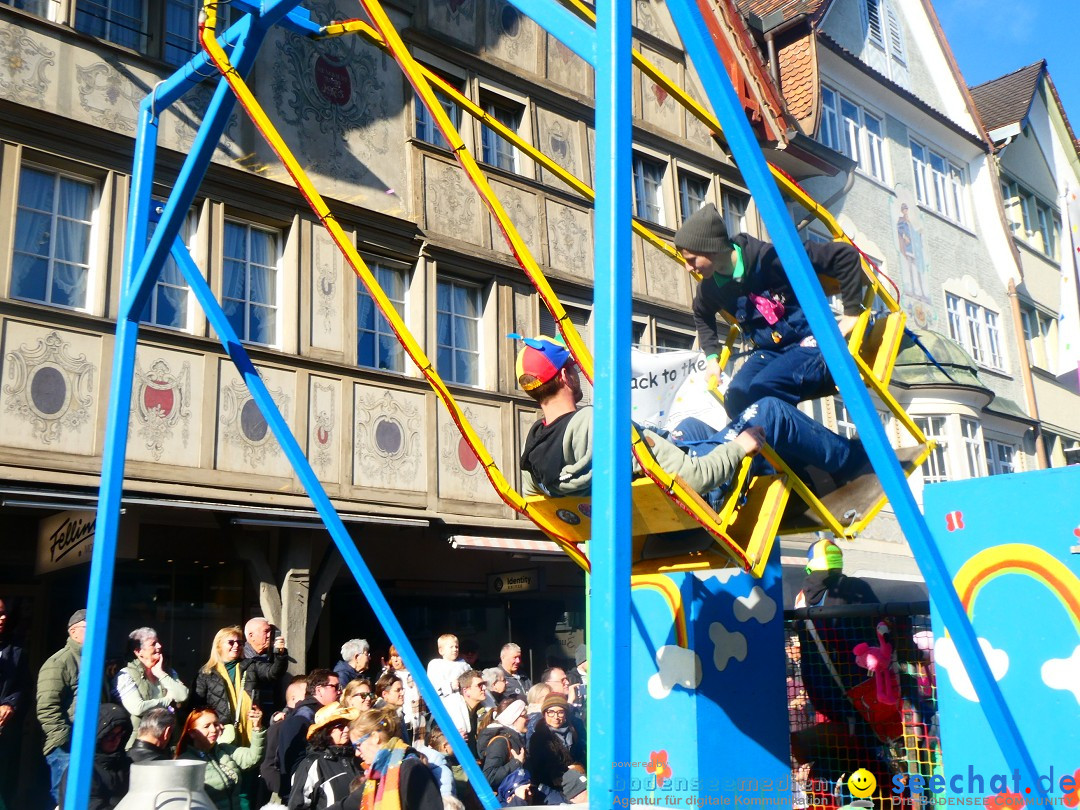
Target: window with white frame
column 854, row 131
column 580, row 318
column 497, row 151
column 936, row 466
column 119, row 21
column 670, row 340
column 458, row 311
column 976, row 329
column 53, row 237
column 693, row 193
column 376, row 344
column 167, row 305
column 1070, row 448
column 181, row 30
column 1038, row 340
column 939, row 182
column 973, row 447
column 649, row 189
column 1035, row 221
column 426, row 128
column 735, row 204
column 1000, row 457
column 249, row 296
column 49, row 9
column 845, row 422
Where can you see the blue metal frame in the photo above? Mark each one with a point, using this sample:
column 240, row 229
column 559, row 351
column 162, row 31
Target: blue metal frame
column 607, row 51
column 141, row 269
column 747, row 153
column 609, row 549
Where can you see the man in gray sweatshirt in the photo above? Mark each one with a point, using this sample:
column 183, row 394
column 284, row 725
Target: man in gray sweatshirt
column 557, row 457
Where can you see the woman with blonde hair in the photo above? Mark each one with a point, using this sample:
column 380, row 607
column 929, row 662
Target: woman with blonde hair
column 395, row 776
column 358, row 694
column 201, row 740
column 222, row 685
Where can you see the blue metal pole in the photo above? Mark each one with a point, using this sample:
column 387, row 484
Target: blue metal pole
column 103, row 565
column 563, row 24
column 609, row 547
column 344, row 542
column 803, row 280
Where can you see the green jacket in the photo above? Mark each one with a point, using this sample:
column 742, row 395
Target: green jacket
column 139, row 694
column 58, row 681
column 224, row 762
column 702, row 473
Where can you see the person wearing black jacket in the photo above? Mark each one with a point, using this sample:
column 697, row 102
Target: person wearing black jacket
column 744, row 277
column 322, row 690
column 153, row 736
column 501, row 742
column 109, row 780
column 14, row 677
column 555, row 745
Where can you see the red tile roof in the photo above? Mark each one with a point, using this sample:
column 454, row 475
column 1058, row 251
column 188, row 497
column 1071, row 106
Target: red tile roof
column 798, row 80
column 789, row 8
column 1007, row 99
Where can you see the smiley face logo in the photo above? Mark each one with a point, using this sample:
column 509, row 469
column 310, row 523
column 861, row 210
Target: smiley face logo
column 861, row 783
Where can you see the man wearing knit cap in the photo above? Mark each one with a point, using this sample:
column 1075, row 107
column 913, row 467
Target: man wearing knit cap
column 743, row 276
column 58, row 681
column 557, row 457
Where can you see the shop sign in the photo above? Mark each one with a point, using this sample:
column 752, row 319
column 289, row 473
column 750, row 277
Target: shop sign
column 514, row 581
column 67, row 539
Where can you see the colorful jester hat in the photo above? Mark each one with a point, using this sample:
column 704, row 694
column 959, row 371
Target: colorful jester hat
column 824, row 555
column 539, row 360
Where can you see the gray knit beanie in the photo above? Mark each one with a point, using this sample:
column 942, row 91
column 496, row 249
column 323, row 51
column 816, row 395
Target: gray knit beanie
column 703, row 232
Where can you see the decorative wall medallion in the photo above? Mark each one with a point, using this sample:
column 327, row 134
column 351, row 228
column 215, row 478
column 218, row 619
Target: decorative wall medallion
column 244, row 426
column 328, row 90
column 161, row 400
column 49, row 388
column 108, row 97
column 323, row 422
column 451, row 206
column 22, row 66
column 457, row 456
column 569, row 241
column 325, row 277
column 388, row 441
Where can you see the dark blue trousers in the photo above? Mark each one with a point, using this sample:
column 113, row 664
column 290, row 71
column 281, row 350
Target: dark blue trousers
column 791, row 374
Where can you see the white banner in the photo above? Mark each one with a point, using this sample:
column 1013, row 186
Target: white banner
column 1068, row 353
column 667, row 387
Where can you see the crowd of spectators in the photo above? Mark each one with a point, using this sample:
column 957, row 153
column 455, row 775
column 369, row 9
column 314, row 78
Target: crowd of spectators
column 352, row 736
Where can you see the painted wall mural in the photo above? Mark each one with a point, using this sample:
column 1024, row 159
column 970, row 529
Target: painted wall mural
column 324, row 444
column 914, row 276
column 1017, row 575
column 161, row 420
column 24, row 66
column 461, row 476
column 108, row 97
column 389, row 441
column 245, row 441
column 49, row 388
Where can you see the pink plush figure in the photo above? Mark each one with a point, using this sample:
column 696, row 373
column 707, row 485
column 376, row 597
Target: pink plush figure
column 878, row 662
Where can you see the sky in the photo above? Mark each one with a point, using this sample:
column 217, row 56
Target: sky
column 993, row 37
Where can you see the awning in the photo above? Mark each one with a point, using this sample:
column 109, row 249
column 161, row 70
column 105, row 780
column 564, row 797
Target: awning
column 470, row 542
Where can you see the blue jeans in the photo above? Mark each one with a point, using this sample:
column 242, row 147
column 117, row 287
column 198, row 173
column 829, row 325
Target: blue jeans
column 58, row 762
column 791, row 374
column 797, row 439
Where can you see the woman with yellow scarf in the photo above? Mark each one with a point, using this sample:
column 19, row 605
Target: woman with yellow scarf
column 220, row 685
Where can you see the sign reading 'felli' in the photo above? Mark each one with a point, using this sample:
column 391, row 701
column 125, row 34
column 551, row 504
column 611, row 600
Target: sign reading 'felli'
column 67, row 538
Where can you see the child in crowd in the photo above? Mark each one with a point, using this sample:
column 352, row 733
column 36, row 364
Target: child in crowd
column 445, row 670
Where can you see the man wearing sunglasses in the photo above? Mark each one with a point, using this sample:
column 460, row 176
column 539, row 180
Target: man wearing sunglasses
column 323, row 688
